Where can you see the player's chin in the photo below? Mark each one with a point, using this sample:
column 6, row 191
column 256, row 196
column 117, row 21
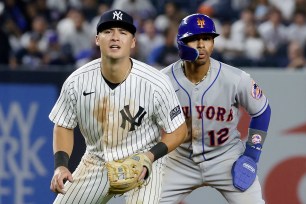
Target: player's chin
column 114, row 52
column 201, row 61
column 114, row 55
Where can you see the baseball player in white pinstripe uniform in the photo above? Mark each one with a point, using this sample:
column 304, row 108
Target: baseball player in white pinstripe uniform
column 211, row 93
column 120, row 105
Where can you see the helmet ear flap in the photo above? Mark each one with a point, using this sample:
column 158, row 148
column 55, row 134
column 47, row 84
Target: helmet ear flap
column 187, row 53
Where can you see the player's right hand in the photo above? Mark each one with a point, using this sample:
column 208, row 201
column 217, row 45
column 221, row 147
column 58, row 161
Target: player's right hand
column 244, row 172
column 61, row 174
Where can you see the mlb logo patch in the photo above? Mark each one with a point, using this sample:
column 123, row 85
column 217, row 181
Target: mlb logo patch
column 256, row 139
column 256, row 92
column 175, row 112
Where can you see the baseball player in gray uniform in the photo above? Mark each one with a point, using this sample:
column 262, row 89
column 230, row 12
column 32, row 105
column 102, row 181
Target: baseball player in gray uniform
column 120, row 105
column 211, row 93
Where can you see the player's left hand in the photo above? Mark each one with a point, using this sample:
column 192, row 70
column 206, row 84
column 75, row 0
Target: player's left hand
column 244, row 172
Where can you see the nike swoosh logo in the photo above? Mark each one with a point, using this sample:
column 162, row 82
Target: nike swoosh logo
column 177, row 90
column 85, row 94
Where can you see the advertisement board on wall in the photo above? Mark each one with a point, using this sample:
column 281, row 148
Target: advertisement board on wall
column 26, row 164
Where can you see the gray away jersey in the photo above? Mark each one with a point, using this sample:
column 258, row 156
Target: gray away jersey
column 120, row 122
column 211, row 108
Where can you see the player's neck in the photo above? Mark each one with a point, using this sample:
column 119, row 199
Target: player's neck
column 116, row 71
column 195, row 73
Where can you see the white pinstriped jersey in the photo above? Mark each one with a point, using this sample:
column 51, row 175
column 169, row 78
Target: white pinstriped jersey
column 211, row 108
column 120, row 122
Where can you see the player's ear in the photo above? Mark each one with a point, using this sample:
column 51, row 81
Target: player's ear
column 133, row 42
column 97, row 40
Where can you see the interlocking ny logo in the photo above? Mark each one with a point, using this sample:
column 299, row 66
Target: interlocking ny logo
column 117, row 15
column 201, row 23
column 126, row 116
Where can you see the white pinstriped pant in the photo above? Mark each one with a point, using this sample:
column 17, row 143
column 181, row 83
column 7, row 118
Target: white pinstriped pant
column 90, row 185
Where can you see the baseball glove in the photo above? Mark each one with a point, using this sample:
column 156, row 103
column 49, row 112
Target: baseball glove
column 123, row 174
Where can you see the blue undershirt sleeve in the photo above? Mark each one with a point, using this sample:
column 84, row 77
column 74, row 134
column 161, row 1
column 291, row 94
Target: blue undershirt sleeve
column 262, row 121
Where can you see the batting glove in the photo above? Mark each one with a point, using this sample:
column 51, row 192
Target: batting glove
column 244, row 170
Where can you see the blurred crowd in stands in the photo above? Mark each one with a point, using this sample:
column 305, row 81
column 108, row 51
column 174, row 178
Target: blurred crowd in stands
column 41, row 34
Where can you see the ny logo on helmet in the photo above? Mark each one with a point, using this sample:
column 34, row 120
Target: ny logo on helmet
column 201, row 23
column 117, row 15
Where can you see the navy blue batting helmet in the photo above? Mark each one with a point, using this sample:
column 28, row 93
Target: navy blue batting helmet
column 191, row 25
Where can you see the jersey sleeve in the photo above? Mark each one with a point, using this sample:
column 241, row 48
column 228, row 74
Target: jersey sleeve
column 251, row 96
column 63, row 112
column 168, row 111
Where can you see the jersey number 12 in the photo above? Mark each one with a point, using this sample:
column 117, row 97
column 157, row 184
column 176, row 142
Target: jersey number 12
column 218, row 138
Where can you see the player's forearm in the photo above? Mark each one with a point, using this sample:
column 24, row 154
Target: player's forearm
column 257, row 134
column 168, row 143
column 62, row 139
column 62, row 146
column 176, row 138
column 259, row 127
